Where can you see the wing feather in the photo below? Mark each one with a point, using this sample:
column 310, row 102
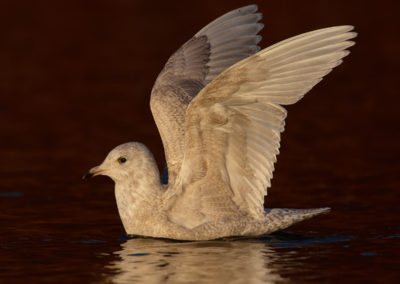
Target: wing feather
column 223, row 42
column 233, row 126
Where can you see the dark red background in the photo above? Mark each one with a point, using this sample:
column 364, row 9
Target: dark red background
column 75, row 80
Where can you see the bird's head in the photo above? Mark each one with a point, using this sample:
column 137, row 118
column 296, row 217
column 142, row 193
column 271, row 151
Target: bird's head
column 122, row 162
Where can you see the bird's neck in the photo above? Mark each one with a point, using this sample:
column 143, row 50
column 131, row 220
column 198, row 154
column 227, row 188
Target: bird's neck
column 138, row 198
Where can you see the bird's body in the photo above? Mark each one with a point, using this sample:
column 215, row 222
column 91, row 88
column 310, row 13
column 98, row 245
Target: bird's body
column 145, row 208
column 217, row 105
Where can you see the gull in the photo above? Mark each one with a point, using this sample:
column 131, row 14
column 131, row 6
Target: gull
column 218, row 105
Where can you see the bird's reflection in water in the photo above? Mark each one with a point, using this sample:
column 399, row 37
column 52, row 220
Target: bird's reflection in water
column 161, row 261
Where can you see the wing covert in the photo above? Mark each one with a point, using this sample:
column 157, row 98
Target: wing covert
column 233, row 126
column 223, row 42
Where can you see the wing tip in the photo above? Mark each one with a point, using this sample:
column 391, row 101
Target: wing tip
column 343, row 28
column 260, row 26
column 248, row 9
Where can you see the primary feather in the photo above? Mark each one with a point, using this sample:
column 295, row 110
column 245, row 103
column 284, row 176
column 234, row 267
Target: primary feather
column 223, row 42
column 233, row 125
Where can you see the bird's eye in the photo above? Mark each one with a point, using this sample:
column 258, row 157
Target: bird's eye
column 121, row 160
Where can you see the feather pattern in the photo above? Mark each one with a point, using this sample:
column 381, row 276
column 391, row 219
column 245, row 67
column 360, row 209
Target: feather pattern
column 218, row 105
column 223, row 42
column 233, row 125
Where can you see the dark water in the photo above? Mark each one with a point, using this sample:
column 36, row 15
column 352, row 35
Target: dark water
column 75, row 79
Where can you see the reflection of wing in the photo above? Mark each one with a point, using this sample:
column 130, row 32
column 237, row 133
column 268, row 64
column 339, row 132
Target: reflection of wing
column 159, row 261
column 217, row 46
column 233, row 126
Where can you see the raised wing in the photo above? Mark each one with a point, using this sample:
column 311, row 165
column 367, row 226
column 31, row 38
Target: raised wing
column 217, row 46
column 233, row 126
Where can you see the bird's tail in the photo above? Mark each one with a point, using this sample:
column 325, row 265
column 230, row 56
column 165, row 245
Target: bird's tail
column 281, row 218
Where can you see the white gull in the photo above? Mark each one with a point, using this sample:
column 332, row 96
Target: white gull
column 218, row 107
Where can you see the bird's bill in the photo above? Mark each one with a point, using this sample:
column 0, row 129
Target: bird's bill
column 93, row 172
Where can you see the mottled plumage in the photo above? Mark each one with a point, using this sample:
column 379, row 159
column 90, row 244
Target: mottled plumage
column 218, row 106
column 214, row 48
